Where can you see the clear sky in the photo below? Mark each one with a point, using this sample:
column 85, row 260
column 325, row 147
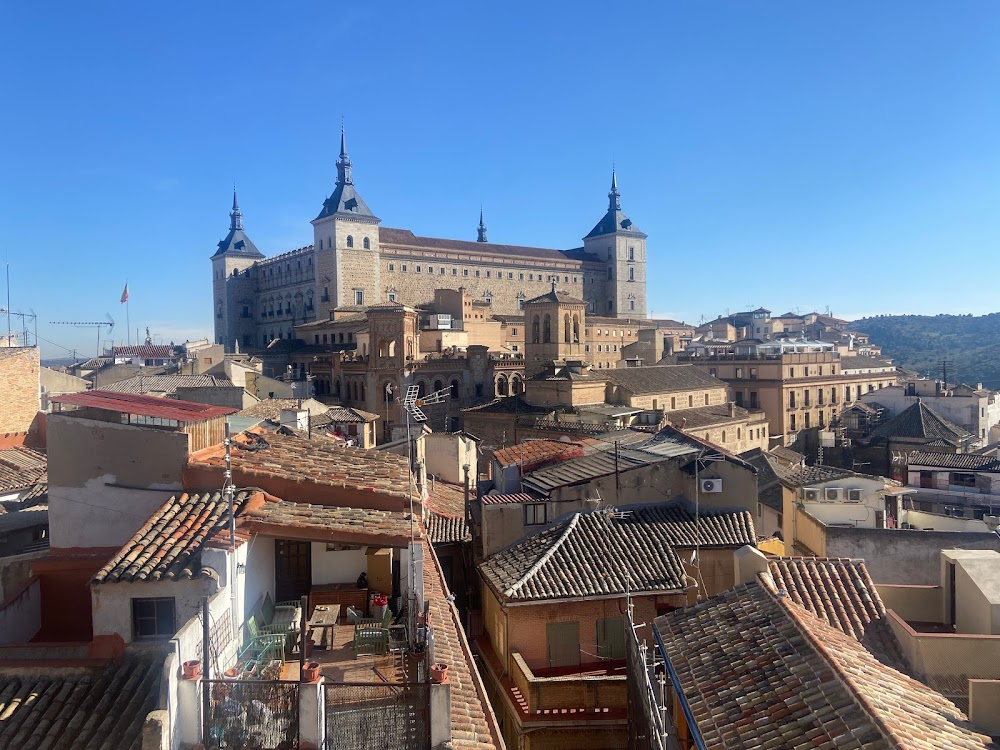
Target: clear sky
column 786, row 154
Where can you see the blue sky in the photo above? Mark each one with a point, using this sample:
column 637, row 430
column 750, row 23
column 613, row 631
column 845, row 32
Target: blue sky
column 785, row 154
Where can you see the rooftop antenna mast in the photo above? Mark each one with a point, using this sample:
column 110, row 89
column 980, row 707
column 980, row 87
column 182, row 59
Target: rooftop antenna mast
column 109, row 322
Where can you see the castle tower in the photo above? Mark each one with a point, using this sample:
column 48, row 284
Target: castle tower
column 346, row 242
column 554, row 326
column 618, row 242
column 232, row 289
column 481, row 237
column 393, row 336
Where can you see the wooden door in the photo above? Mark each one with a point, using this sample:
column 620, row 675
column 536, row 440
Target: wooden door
column 292, row 569
column 563, row 641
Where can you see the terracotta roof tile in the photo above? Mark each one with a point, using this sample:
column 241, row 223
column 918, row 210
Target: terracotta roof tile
column 88, row 710
column 530, row 454
column 661, row 379
column 147, row 351
column 760, row 671
column 445, row 530
column 970, row 461
column 473, row 724
column 588, row 554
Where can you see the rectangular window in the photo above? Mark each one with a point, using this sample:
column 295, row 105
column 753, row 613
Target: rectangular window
column 791, row 422
column 510, row 274
column 392, row 296
column 487, row 274
column 465, row 271
column 753, row 373
column 534, row 514
column 359, row 297
column 739, row 372
column 392, row 266
column 477, row 273
column 611, row 638
column 960, row 479
column 403, row 268
column 454, row 272
column 417, row 269
column 153, row 618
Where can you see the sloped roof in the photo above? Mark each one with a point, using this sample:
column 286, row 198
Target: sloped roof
column 146, row 351
column 705, row 416
column 508, row 405
column 445, row 530
column 921, row 421
column 270, row 408
column 840, row 592
column 238, row 242
column 970, row 461
column 661, row 378
column 92, row 709
column 406, row 238
column 554, row 295
column 803, row 476
column 166, row 384
column 532, row 453
column 769, row 490
column 608, row 552
column 21, row 468
column 759, row 671
column 149, row 406
column 169, row 545
column 346, row 201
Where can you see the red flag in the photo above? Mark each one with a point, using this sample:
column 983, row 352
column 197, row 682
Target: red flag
column 125, row 294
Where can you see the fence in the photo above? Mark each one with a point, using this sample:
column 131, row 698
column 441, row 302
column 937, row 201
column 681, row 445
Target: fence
column 647, row 723
column 377, row 717
column 251, row 714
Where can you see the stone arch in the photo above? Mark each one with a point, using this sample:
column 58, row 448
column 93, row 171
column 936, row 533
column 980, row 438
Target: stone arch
column 382, row 348
column 455, row 388
column 366, row 243
column 387, row 396
column 350, row 241
column 566, row 329
column 392, row 348
column 501, row 387
column 362, row 392
column 547, row 329
column 516, row 385
column 535, row 330
column 438, row 385
column 421, row 388
column 576, row 329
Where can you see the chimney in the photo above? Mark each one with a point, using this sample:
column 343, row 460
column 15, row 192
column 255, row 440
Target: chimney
column 732, row 408
column 297, row 419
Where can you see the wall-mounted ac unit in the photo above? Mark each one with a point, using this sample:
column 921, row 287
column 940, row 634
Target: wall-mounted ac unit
column 854, row 496
column 812, row 495
column 833, row 494
column 711, row 485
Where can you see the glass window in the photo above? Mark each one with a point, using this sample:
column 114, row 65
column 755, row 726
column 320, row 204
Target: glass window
column 359, row 297
column 153, row 618
column 534, row 514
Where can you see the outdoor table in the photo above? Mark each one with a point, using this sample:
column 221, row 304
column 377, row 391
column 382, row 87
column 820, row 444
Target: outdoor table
column 324, row 619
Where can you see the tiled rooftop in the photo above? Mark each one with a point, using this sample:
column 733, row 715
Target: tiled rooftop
column 802, row 476
column 661, row 379
column 705, row 416
column 146, row 351
column 508, row 405
column 93, row 709
column 970, row 461
column 270, row 408
column 473, row 725
column 841, row 593
column 166, row 384
column 170, row 544
column 529, row 454
column 762, row 672
column 444, row 530
column 21, row 468
column 922, row 422
column 588, row 554
column 328, row 463
column 511, row 498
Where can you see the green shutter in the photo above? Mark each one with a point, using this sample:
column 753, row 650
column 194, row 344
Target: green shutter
column 563, row 642
column 611, row 638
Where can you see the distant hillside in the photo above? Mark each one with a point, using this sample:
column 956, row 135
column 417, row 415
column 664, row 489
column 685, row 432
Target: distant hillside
column 920, row 342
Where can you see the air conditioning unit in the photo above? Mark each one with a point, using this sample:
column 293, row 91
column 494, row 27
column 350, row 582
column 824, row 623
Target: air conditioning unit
column 906, row 525
column 711, row 485
column 811, row 495
column 854, row 496
column 833, row 494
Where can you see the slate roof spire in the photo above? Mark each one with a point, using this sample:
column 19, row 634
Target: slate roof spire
column 614, row 197
column 482, row 227
column 344, row 162
column 236, row 216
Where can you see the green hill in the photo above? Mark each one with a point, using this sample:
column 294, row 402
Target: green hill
column 920, row 342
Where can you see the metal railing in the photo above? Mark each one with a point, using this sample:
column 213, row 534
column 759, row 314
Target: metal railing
column 648, row 722
column 251, row 714
column 377, row 716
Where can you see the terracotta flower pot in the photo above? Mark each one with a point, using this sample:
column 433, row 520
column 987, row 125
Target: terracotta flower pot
column 191, row 669
column 311, row 672
column 439, row 672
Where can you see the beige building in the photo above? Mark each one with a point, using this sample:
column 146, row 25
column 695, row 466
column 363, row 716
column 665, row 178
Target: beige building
column 356, row 262
column 798, row 385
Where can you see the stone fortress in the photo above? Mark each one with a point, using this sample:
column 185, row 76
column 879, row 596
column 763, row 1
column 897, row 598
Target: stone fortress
column 355, row 263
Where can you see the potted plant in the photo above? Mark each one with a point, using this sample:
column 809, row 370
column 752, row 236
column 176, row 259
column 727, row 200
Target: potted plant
column 439, row 672
column 311, row 672
column 191, row 669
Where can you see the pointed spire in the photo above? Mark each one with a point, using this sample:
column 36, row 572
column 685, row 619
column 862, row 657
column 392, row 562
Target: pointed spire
column 236, row 217
column 614, row 198
column 344, row 162
column 482, row 227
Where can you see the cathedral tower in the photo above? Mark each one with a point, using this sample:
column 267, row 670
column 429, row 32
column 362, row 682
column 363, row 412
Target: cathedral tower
column 618, row 242
column 232, row 288
column 346, row 242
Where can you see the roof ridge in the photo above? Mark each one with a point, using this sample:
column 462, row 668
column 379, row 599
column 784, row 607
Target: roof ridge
column 545, row 557
column 853, row 688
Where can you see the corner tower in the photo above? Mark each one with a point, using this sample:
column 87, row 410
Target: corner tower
column 232, row 289
column 346, row 242
column 620, row 244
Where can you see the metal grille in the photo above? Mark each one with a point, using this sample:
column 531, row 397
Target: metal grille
column 252, row 714
column 648, row 725
column 377, row 717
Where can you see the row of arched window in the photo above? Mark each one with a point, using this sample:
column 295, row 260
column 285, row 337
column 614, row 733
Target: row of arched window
column 541, row 329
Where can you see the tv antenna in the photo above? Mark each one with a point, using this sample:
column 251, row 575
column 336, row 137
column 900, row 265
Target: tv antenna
column 25, row 317
column 109, row 322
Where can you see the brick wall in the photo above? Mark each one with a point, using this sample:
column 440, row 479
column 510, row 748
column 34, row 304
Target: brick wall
column 19, row 368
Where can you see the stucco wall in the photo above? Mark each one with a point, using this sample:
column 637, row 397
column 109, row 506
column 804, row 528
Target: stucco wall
column 897, row 556
column 106, row 479
column 112, row 602
column 343, row 566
